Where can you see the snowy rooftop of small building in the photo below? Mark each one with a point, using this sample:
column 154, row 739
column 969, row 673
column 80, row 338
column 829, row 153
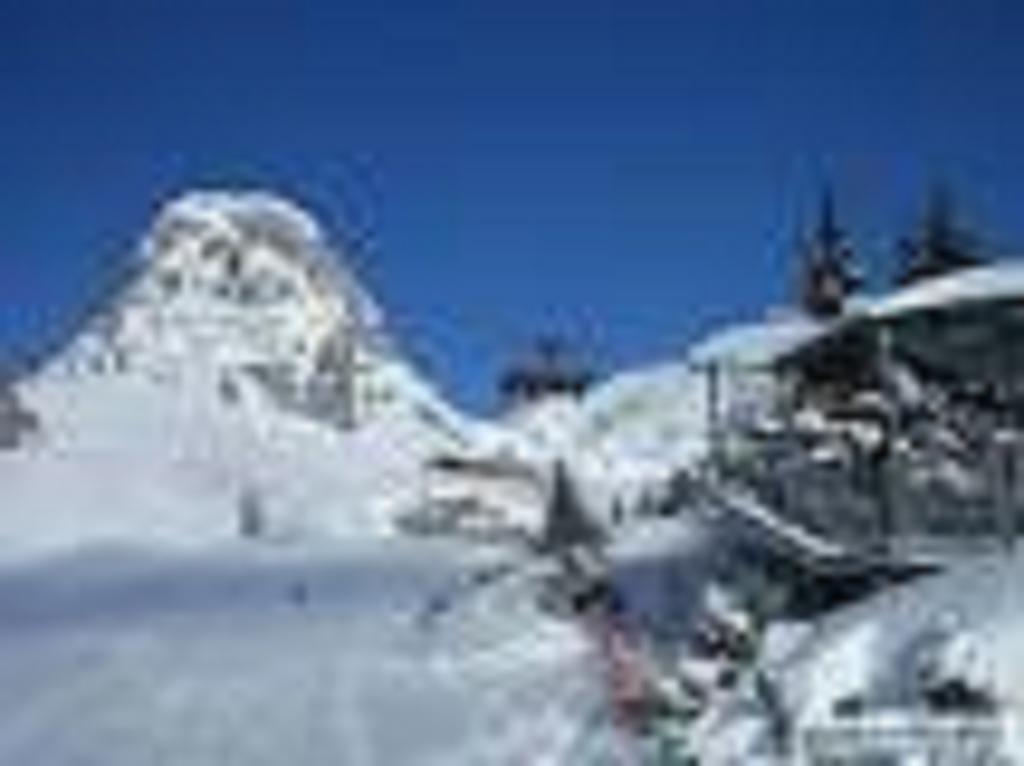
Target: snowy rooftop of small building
column 757, row 343
column 763, row 343
column 999, row 281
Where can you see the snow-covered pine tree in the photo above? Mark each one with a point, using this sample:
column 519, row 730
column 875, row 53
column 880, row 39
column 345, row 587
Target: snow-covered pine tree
column 941, row 244
column 567, row 523
column 828, row 273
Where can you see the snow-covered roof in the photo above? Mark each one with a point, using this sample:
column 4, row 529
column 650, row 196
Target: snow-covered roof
column 765, row 342
column 1000, row 281
column 758, row 343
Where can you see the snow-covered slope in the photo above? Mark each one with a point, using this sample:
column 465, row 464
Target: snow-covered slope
column 241, row 381
column 328, row 656
column 244, row 285
column 932, row 666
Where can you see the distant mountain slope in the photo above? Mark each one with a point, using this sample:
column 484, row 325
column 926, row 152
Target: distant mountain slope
column 246, row 285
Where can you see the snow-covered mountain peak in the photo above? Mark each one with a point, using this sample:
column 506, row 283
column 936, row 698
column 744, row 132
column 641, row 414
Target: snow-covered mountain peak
column 242, row 286
column 238, row 244
column 240, row 381
column 232, row 213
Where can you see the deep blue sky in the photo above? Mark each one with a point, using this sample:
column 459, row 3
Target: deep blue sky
column 627, row 172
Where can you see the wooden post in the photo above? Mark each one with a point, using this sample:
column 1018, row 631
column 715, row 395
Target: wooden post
column 714, row 393
column 348, row 383
column 1002, row 444
column 1003, row 448
column 882, row 459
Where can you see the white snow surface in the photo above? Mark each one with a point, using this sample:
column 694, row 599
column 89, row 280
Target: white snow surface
column 966, row 624
column 249, row 655
column 125, row 459
column 970, row 619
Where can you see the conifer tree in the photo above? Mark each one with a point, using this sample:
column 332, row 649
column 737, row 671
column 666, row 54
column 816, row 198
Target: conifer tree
column 941, row 244
column 567, row 523
column 828, row 273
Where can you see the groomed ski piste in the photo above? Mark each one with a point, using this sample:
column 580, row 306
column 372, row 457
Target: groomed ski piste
column 239, row 527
